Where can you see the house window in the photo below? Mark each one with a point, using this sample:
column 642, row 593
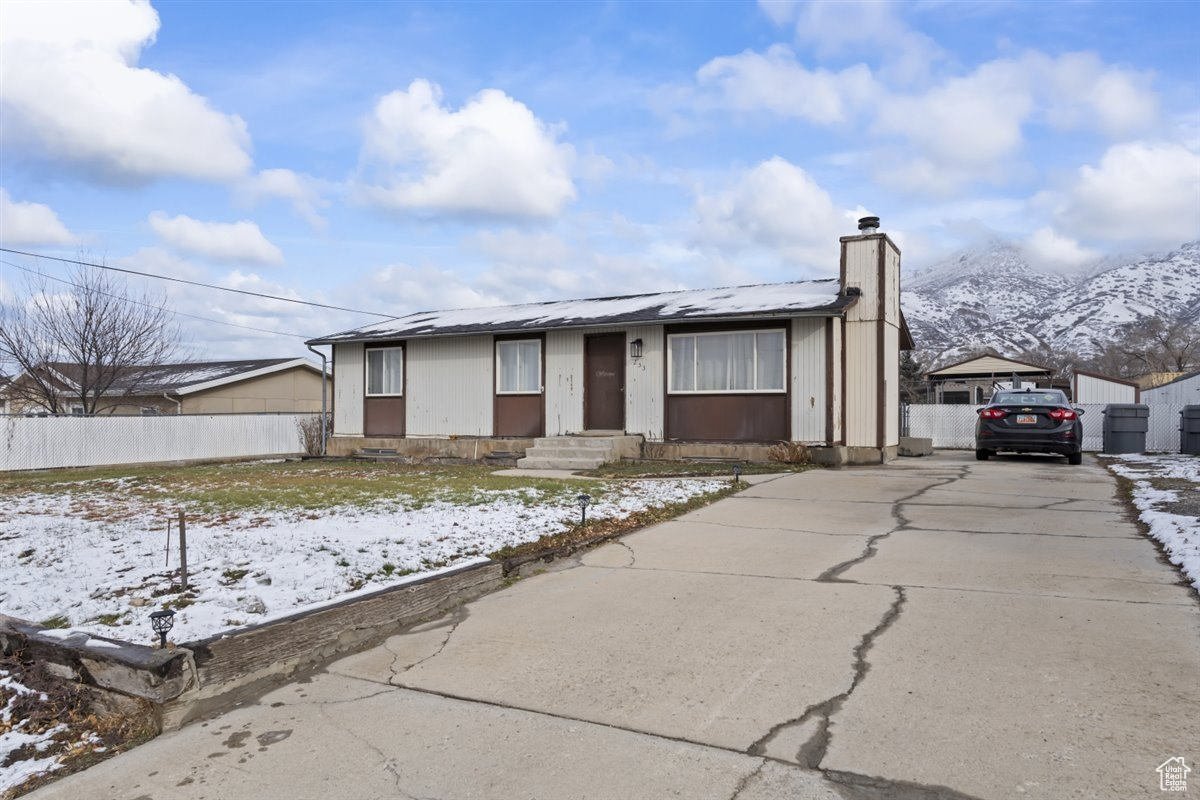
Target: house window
column 519, row 366
column 385, row 371
column 77, row 411
column 714, row 363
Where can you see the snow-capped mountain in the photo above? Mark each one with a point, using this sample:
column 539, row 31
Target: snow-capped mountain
column 991, row 297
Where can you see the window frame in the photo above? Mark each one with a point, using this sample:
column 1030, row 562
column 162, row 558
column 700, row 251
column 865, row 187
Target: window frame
column 367, row 370
column 672, row 390
column 501, row 344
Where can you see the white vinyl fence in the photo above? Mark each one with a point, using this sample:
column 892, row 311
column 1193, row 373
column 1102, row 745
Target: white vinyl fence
column 48, row 442
column 953, row 426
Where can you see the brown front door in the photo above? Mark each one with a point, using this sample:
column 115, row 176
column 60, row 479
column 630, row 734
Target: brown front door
column 604, row 382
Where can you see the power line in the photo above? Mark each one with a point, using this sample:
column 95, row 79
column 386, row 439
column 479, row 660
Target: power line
column 148, row 305
column 196, row 283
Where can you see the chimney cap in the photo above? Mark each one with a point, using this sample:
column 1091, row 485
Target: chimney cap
column 868, row 224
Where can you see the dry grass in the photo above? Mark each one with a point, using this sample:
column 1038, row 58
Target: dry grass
column 96, row 728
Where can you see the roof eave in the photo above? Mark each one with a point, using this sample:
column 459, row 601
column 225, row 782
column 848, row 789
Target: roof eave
column 835, row 309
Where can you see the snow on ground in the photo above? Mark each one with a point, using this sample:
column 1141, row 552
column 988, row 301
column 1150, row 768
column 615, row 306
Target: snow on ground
column 98, row 566
column 1179, row 533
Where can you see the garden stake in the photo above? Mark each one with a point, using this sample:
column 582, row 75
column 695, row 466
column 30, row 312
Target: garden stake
column 182, row 551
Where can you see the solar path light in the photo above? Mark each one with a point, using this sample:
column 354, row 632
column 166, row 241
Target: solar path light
column 583, row 500
column 162, row 622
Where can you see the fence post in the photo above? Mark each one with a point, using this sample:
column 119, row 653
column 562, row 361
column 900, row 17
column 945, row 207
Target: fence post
column 183, row 576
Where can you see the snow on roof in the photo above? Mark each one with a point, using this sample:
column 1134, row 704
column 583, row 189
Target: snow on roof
column 767, row 299
column 159, row 378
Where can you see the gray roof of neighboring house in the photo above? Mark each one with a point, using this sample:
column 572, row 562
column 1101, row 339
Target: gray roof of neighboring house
column 817, row 297
column 182, row 377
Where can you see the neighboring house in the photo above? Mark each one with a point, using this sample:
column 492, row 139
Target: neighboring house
column 1183, row 391
column 197, row 387
column 1152, row 380
column 813, row 361
column 972, row 381
column 1091, row 387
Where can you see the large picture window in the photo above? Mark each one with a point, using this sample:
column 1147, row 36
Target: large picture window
column 385, row 371
column 751, row 361
column 519, row 366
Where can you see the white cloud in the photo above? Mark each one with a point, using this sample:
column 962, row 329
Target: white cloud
column 72, row 91
column 775, row 81
column 236, row 242
column 30, row 223
column 858, row 27
column 1143, row 192
column 304, row 191
column 491, row 157
column 1048, row 248
column 973, row 127
column 778, row 207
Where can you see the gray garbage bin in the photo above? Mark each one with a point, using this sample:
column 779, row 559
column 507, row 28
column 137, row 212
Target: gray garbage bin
column 1189, row 430
column 1125, row 426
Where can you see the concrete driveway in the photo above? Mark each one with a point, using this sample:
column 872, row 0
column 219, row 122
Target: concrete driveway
column 934, row 628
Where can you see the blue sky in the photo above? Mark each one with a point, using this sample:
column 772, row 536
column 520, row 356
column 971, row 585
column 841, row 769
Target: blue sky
column 406, row 156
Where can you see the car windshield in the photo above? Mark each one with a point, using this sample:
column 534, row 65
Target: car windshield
column 1029, row 398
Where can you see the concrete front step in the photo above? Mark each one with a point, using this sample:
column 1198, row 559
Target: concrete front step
column 587, row 453
column 591, row 442
column 533, row 462
column 579, row 452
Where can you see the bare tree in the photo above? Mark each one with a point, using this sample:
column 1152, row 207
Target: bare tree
column 89, row 341
column 1155, row 344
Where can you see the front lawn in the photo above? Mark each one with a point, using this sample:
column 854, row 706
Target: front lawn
column 91, row 549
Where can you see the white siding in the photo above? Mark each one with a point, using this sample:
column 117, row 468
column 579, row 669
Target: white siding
column 645, row 384
column 348, row 380
column 1090, row 389
column 837, row 400
column 1183, row 392
column 862, row 270
column 808, row 380
column 449, row 388
column 891, row 386
column 564, row 382
column 862, row 384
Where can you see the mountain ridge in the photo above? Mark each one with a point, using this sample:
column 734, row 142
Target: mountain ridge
column 990, row 296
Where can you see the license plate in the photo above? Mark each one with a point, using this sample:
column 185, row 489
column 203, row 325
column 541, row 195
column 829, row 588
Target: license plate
column 1027, row 419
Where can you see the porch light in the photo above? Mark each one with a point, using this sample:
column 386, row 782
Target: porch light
column 162, row 621
column 583, row 501
column 635, row 348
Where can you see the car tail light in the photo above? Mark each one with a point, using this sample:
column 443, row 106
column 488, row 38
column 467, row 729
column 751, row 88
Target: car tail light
column 993, row 413
column 1061, row 414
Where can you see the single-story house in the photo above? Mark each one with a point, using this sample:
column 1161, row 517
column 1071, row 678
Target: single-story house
column 1183, row 391
column 194, row 387
column 812, row 361
column 973, row 380
column 1092, row 387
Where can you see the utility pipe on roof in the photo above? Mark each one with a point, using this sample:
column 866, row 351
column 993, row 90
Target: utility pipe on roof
column 324, row 383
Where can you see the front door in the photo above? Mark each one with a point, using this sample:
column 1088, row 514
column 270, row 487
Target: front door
column 604, row 382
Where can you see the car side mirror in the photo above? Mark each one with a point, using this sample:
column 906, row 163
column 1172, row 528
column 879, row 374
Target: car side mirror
column 979, row 409
column 1079, row 411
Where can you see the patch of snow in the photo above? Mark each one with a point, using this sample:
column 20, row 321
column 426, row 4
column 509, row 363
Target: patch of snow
column 1179, row 534
column 109, row 559
column 782, row 297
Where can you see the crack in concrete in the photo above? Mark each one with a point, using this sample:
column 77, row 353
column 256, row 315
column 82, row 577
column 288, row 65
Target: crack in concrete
column 632, row 555
column 853, row 786
column 812, row 752
column 902, row 523
column 455, row 618
column 745, row 781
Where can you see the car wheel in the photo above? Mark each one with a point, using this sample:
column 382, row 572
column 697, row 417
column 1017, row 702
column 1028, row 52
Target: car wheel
column 982, row 455
column 1075, row 459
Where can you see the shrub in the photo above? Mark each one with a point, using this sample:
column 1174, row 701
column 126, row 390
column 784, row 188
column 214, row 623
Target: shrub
column 789, row 453
column 309, row 429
